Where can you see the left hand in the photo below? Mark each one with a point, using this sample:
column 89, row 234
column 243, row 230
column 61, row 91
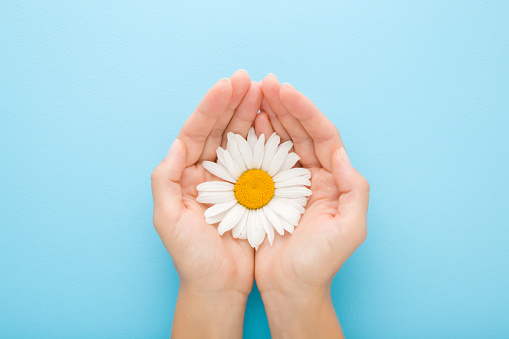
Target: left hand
column 295, row 274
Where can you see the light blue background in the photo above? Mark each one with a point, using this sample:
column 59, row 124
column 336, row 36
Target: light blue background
column 92, row 93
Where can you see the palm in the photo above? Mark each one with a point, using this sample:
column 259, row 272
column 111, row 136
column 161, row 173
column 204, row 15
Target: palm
column 305, row 257
column 205, row 255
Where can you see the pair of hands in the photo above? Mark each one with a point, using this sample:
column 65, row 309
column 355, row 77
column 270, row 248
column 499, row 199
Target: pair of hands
column 294, row 275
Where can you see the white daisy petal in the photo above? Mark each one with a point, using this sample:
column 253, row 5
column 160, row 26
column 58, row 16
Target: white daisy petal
column 267, row 226
column 240, row 227
column 279, row 157
column 293, row 172
column 258, row 230
column 274, row 219
column 287, row 226
column 286, row 145
column 245, row 150
column 251, row 138
column 293, row 202
column 216, row 218
column 220, row 156
column 251, row 227
column 303, row 201
column 215, row 197
column 292, row 191
column 295, row 181
column 218, row 171
column 233, row 147
column 229, row 144
column 270, row 150
column 291, row 160
column 258, row 152
column 231, row 219
column 260, row 236
column 219, row 208
column 212, row 186
column 231, row 165
column 286, row 212
column 243, row 235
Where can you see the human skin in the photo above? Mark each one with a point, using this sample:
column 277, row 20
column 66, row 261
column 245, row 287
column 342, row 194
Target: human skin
column 216, row 273
column 294, row 274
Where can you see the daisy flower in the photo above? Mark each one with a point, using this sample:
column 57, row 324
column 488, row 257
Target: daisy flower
column 262, row 192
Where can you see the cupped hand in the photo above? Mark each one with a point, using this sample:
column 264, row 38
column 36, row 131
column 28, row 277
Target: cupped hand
column 299, row 267
column 206, row 262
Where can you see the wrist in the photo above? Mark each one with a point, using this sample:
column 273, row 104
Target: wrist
column 199, row 314
column 213, row 295
column 284, row 309
column 301, row 314
column 219, row 299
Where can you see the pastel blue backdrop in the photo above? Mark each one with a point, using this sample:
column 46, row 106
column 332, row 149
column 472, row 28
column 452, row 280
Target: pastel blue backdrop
column 92, row 94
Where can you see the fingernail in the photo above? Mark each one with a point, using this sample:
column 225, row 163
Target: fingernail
column 288, row 85
column 345, row 158
column 272, row 74
column 227, row 79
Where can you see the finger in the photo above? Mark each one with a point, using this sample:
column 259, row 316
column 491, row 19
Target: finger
column 262, row 125
column 274, row 121
column 240, row 84
column 301, row 140
column 353, row 196
column 325, row 135
column 276, row 124
column 166, row 190
column 197, row 128
column 245, row 114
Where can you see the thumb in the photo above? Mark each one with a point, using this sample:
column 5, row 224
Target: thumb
column 353, row 194
column 166, row 190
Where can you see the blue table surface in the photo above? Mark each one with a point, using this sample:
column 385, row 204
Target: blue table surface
column 92, row 93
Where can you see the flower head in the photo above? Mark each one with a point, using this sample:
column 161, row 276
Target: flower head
column 262, row 191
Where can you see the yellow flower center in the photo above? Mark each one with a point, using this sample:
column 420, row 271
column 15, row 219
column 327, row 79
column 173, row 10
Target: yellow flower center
column 254, row 189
